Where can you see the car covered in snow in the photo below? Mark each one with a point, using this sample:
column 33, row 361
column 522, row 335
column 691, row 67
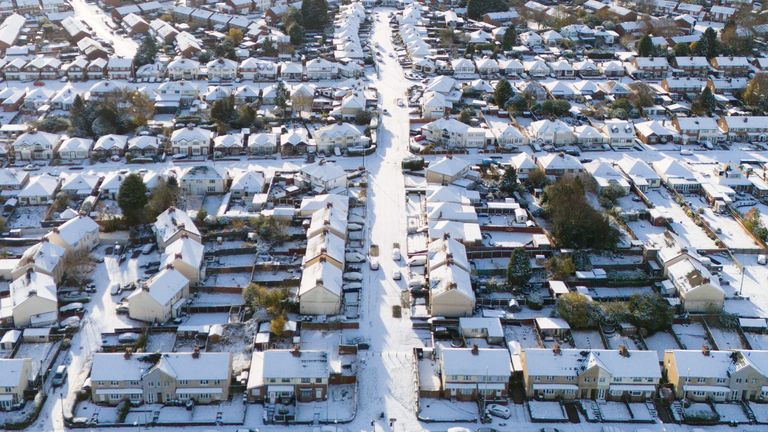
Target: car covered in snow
column 354, row 257
column 353, row 276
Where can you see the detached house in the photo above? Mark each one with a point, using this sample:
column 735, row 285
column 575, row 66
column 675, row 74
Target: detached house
column 32, row 301
column 75, row 148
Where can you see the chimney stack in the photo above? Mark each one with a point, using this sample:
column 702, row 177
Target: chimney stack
column 623, row 351
column 296, row 352
column 705, row 350
column 127, row 353
column 196, row 352
column 475, row 350
column 556, row 349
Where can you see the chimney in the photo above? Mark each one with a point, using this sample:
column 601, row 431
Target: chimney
column 296, row 352
column 196, row 352
column 169, row 266
column 55, row 229
column 475, row 350
column 127, row 353
column 556, row 349
column 171, row 209
column 705, row 350
column 623, row 351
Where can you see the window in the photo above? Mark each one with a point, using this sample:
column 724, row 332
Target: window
column 286, row 380
column 8, row 389
column 305, row 380
column 738, row 380
column 134, row 383
column 720, row 380
column 203, row 382
column 318, row 380
column 183, row 382
column 114, row 383
column 702, row 380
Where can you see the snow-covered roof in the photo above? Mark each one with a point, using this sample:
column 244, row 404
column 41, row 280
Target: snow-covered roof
column 311, row 204
column 450, row 278
column 169, row 222
column 325, row 243
column 108, row 142
column 250, row 181
column 74, row 230
column 439, row 251
column 13, row 372
column 448, row 166
column 118, row 367
column 573, row 362
column 163, row 286
column 185, row 249
column 203, row 366
column 278, row 364
column 475, row 362
column 43, row 185
column 321, row 273
column 44, row 255
column 33, row 283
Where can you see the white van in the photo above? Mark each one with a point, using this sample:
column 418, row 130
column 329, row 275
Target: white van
column 761, row 259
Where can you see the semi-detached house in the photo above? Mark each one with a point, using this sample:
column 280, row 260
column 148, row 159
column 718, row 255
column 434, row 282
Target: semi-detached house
column 590, row 374
column 203, row 377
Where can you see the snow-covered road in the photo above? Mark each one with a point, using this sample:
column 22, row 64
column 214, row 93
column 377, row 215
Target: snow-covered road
column 96, row 19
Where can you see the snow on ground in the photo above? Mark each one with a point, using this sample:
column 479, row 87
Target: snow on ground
column 725, row 339
column 758, row 341
column 340, row 406
column 524, row 334
column 731, row 413
column 442, row 410
column 691, row 336
column 160, row 342
column 640, row 412
column 661, row 341
column 541, row 410
column 726, row 227
column 614, row 411
column 753, row 287
column 681, row 223
column 615, row 340
column 760, row 412
column 26, row 217
column 587, row 339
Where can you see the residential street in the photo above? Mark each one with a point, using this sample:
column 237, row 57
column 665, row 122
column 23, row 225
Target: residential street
column 95, row 18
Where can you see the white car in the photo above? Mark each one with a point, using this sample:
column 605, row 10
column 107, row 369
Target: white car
column 397, row 275
column 374, row 263
column 396, row 254
column 353, row 276
column 498, row 411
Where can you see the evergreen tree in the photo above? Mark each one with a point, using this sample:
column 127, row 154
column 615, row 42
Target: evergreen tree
column 146, row 52
column 519, row 268
column 645, row 48
column 132, row 197
column 281, row 97
column 296, row 33
column 502, row 93
column 80, row 118
column 509, row 181
column 705, row 103
column 509, row 39
column 465, row 116
column 756, row 93
column 314, row 13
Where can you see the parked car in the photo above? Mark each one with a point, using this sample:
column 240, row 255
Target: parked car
column 498, row 411
column 59, row 376
column 374, row 264
column 115, row 288
column 122, row 309
column 71, row 297
column 397, row 275
column 396, row 254
column 353, row 276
